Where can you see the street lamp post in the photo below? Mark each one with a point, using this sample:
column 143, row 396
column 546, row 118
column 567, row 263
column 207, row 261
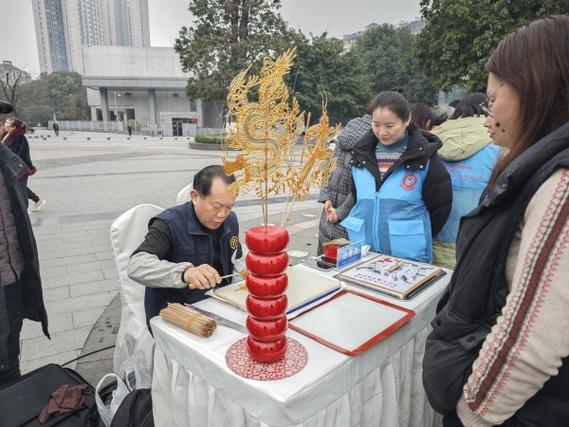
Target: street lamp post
column 117, row 109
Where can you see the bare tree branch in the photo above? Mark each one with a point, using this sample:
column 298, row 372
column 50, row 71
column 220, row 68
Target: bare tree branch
column 10, row 85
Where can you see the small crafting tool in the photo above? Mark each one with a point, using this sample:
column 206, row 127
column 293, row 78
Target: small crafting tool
column 220, row 320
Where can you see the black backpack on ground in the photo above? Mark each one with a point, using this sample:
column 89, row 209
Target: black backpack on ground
column 134, row 411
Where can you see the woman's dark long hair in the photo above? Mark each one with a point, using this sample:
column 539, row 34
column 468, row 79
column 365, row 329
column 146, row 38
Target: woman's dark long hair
column 535, row 61
column 422, row 116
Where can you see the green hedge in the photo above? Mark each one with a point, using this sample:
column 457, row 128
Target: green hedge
column 210, row 139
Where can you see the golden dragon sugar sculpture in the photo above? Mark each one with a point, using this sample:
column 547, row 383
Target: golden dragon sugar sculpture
column 268, row 122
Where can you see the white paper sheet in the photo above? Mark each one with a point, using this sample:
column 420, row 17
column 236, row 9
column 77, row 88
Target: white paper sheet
column 349, row 320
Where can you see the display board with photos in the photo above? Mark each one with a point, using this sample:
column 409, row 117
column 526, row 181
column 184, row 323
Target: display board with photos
column 393, row 276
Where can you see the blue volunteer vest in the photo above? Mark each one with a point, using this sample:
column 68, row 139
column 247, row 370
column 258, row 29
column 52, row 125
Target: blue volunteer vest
column 192, row 244
column 393, row 220
column 469, row 178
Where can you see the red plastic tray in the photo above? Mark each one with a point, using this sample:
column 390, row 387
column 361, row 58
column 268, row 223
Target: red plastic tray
column 382, row 334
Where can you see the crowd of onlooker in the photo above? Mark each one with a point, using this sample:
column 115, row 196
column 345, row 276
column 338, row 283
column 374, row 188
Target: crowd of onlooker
column 420, row 170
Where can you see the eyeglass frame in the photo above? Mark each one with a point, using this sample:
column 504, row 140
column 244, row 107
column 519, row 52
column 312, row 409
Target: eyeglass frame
column 486, row 108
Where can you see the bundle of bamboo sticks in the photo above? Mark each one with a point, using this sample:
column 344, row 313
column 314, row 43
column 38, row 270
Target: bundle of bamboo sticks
column 188, row 319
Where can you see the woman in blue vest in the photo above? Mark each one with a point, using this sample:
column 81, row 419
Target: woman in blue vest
column 470, row 156
column 402, row 189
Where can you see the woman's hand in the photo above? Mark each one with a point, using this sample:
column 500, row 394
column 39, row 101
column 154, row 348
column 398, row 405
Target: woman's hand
column 331, row 215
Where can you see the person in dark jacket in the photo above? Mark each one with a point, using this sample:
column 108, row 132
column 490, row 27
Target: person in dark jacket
column 20, row 283
column 16, row 140
column 402, row 190
column 189, row 247
column 336, row 196
column 499, row 350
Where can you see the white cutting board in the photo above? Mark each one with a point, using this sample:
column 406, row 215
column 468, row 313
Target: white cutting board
column 304, row 286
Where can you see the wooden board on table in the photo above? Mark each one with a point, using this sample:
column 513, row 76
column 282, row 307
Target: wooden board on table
column 304, row 286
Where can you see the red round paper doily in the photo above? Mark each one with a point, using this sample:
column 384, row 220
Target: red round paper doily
column 240, row 362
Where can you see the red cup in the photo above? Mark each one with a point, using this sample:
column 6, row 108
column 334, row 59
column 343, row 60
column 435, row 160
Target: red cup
column 331, row 253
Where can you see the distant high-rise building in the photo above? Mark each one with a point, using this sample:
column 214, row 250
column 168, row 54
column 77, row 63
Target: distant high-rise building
column 350, row 39
column 93, row 23
column 64, row 26
column 414, row 26
column 129, row 22
column 50, row 35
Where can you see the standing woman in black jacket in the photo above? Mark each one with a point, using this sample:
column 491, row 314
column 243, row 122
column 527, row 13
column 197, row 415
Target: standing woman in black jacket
column 16, row 140
column 20, row 283
column 499, row 350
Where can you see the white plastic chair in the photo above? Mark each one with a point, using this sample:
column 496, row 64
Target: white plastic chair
column 184, row 194
column 127, row 233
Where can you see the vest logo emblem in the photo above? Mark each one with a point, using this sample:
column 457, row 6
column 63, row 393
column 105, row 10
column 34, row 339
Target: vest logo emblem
column 409, row 181
column 234, row 242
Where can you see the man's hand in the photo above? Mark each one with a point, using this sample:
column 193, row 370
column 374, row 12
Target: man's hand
column 201, row 277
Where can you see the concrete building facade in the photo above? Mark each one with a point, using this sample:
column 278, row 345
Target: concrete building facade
column 143, row 87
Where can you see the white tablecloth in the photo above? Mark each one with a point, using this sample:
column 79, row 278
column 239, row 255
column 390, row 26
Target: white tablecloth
column 192, row 385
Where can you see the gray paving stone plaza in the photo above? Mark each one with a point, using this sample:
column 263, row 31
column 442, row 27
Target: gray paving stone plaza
column 87, row 184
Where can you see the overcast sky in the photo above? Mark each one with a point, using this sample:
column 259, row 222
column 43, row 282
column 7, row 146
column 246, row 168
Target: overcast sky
column 337, row 17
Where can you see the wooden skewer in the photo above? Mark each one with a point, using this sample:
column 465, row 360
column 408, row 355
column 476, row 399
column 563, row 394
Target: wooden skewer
column 231, row 275
column 188, row 319
column 238, row 274
column 395, row 266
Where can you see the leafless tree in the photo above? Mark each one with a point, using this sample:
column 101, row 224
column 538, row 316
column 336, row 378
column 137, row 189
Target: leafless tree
column 9, row 84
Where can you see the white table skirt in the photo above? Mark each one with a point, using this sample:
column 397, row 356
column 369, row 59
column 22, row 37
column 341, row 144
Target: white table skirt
column 192, row 385
column 391, row 395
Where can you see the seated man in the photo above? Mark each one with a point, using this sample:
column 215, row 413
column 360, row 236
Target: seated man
column 189, row 247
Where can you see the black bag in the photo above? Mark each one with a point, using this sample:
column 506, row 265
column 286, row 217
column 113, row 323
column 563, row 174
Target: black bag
column 135, row 410
column 22, row 402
